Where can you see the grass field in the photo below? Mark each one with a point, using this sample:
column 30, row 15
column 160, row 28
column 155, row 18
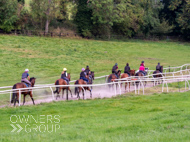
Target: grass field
column 46, row 57
column 158, row 117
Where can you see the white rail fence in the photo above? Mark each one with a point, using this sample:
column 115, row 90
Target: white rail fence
column 165, row 79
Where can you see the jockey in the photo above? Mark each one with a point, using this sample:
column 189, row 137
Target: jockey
column 114, row 69
column 87, row 70
column 127, row 69
column 142, row 69
column 25, row 75
column 83, row 75
column 64, row 75
column 143, row 63
column 158, row 68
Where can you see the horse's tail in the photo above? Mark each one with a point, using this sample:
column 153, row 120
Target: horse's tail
column 14, row 94
column 76, row 88
column 57, row 88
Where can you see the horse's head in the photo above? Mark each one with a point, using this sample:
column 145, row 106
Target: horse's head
column 92, row 74
column 119, row 72
column 132, row 72
column 32, row 80
column 161, row 68
column 69, row 76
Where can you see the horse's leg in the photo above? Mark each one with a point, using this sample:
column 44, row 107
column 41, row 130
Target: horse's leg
column 90, row 92
column 70, row 92
column 63, row 92
column 83, row 93
column 125, row 85
column 79, row 89
column 129, row 86
column 16, row 98
column 24, row 99
column 58, row 93
column 32, row 97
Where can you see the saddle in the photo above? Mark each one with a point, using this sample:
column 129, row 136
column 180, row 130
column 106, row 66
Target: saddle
column 27, row 85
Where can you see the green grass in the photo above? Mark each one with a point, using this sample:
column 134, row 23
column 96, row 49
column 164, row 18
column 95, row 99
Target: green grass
column 46, row 57
column 158, row 117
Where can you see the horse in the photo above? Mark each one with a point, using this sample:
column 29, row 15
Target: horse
column 112, row 77
column 24, row 92
column 141, row 75
column 82, row 82
column 125, row 75
column 91, row 77
column 157, row 74
column 62, row 82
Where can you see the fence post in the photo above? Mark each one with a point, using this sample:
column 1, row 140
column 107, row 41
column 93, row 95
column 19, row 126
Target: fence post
column 119, row 88
column 19, row 97
column 84, row 92
column 115, row 88
column 10, row 97
column 52, row 93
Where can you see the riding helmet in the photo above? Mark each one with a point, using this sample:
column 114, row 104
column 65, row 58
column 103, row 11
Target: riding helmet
column 26, row 70
column 64, row 69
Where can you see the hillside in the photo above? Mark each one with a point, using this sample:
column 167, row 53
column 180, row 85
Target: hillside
column 46, row 57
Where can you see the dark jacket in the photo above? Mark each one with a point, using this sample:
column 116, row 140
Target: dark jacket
column 127, row 69
column 63, row 75
column 158, row 67
column 114, row 69
column 83, row 74
column 87, row 71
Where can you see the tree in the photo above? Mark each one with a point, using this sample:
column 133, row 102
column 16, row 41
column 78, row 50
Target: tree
column 183, row 19
column 8, row 14
column 43, row 11
column 83, row 18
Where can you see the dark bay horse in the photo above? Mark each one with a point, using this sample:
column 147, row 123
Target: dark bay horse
column 157, row 74
column 112, row 77
column 62, row 82
column 140, row 75
column 24, row 92
column 78, row 89
column 91, row 77
column 125, row 75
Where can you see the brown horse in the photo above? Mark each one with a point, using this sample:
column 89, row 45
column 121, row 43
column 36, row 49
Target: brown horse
column 78, row 89
column 141, row 76
column 112, row 77
column 62, row 82
column 24, row 92
column 125, row 75
column 157, row 74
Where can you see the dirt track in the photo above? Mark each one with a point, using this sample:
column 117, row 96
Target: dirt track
column 97, row 92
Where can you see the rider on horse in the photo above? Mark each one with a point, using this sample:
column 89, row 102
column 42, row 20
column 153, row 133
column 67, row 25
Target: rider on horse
column 158, row 68
column 142, row 68
column 64, row 75
column 127, row 69
column 87, row 70
column 114, row 69
column 83, row 75
column 25, row 75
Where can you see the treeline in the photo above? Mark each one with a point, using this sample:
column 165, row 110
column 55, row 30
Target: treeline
column 98, row 18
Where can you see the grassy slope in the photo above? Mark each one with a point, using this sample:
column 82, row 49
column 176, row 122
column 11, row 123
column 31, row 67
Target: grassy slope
column 126, row 118
column 45, row 57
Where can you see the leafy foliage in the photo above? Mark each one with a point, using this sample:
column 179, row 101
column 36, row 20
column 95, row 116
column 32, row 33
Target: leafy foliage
column 8, row 14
